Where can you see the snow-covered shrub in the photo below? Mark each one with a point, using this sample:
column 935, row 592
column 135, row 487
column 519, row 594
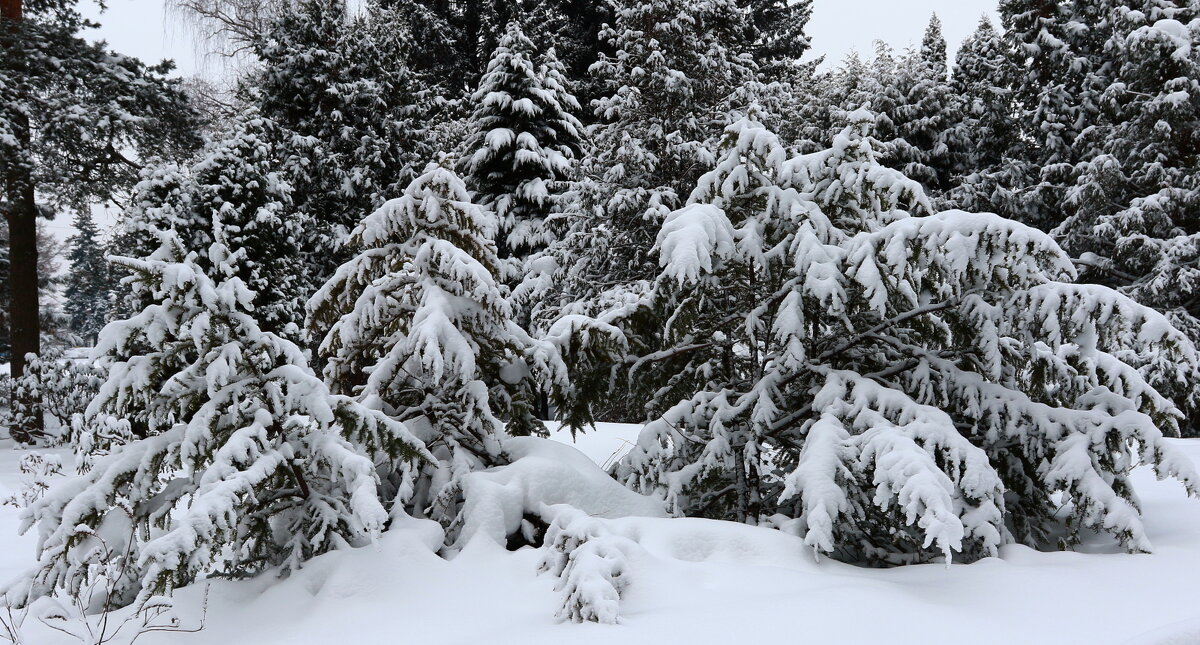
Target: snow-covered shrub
column 89, row 613
column 893, row 388
column 590, row 563
column 66, row 385
column 419, row 325
column 35, row 469
column 61, row 386
column 242, row 460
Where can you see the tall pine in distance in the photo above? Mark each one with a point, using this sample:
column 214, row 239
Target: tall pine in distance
column 459, row 37
column 523, row 139
column 779, row 37
column 86, row 296
column 1046, row 94
column 923, row 116
column 983, row 132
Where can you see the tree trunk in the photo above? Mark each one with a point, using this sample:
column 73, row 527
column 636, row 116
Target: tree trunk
column 21, row 213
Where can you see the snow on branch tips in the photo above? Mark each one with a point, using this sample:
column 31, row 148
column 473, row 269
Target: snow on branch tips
column 237, row 457
column 893, row 388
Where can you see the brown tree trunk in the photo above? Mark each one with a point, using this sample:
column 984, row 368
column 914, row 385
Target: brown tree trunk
column 21, row 213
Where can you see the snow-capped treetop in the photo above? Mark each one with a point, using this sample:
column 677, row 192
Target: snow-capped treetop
column 523, row 138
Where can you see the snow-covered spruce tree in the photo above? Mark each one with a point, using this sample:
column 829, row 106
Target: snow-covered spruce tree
column 243, row 181
column 246, row 462
column 523, row 139
column 87, row 283
column 924, row 117
column 893, row 388
column 779, row 38
column 881, row 85
column 354, row 114
column 1133, row 213
column 983, row 132
column 419, row 324
column 674, row 65
column 1053, row 106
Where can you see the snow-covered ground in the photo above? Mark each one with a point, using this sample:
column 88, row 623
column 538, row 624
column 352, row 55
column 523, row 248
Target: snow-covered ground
column 699, row 582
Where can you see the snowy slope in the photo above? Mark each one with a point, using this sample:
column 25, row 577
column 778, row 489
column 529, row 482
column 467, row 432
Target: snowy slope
column 699, row 582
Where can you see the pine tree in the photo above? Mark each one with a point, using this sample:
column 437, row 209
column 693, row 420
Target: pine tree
column 1052, row 109
column 779, row 40
column 667, row 84
column 983, row 134
column 70, row 113
column 245, row 181
column 1132, row 220
column 350, row 109
column 276, row 469
column 523, row 139
column 87, row 283
column 866, row 372
column 419, row 323
column 923, row 119
column 458, row 38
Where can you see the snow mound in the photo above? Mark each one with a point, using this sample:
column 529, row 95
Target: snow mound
column 543, row 473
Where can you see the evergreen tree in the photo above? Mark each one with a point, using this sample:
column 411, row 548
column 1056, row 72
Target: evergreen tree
column 523, row 139
column 1052, row 109
column 779, row 40
column 87, row 283
column 419, row 324
column 925, row 115
column 245, row 462
column 244, row 181
column 867, row 373
column 983, row 135
column 350, row 110
column 70, row 114
column 1132, row 220
column 458, row 38
column 667, row 84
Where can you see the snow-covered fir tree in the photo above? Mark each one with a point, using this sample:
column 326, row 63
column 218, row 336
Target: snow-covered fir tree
column 354, row 114
column 237, row 457
column 522, row 143
column 1051, row 108
column 780, row 39
column 667, row 84
column 419, row 324
column 1132, row 215
column 86, row 296
column 983, row 132
column 891, row 386
column 243, row 180
column 922, row 121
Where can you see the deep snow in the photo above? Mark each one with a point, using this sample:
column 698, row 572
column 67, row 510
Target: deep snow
column 698, row 581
